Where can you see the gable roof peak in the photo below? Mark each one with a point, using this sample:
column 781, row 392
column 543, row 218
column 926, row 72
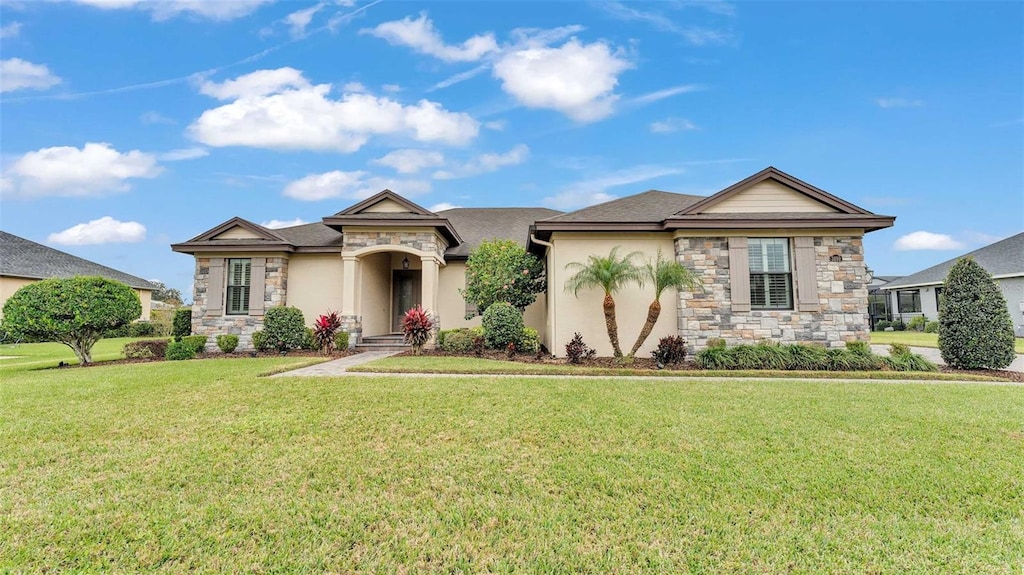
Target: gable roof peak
column 382, row 195
column 237, row 222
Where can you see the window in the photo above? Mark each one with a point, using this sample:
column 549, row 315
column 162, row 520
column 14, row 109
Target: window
column 909, row 301
column 239, row 281
column 938, row 298
column 771, row 276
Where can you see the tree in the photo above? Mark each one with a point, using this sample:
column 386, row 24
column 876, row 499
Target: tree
column 165, row 294
column 975, row 329
column 502, row 271
column 74, row 311
column 610, row 274
column 662, row 274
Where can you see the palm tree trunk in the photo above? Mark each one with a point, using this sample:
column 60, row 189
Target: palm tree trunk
column 653, row 311
column 609, row 321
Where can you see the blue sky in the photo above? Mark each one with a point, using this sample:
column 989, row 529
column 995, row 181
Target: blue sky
column 128, row 125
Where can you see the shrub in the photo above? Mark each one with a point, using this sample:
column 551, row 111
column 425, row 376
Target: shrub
column 510, row 350
column 260, row 341
column 917, row 323
column 931, row 327
column 898, row 325
column 840, row 359
column 898, row 349
column 341, row 341
column 119, row 331
column 503, row 324
column 806, row 357
column 141, row 329
column 197, row 343
column 308, row 338
column 859, row 347
column 146, row 349
column 716, row 342
column 882, row 325
column 671, row 350
column 457, row 341
column 771, row 355
column 715, row 358
column 227, row 342
column 909, row 362
column 73, row 311
column 182, row 324
column 479, row 343
column 418, row 327
column 178, row 350
column 325, row 328
column 502, row 271
column 529, row 341
column 975, row 329
column 284, row 328
column 576, row 351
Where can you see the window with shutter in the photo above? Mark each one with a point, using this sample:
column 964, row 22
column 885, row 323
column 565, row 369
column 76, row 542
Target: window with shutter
column 239, row 286
column 771, row 275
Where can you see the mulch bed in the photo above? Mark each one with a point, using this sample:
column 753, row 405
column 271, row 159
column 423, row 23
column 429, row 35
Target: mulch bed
column 1017, row 376
column 218, row 355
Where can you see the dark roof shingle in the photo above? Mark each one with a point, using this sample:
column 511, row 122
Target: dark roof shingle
column 478, row 224
column 26, row 259
column 652, row 206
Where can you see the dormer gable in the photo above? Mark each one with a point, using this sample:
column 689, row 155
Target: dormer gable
column 238, row 229
column 386, row 202
column 772, row 191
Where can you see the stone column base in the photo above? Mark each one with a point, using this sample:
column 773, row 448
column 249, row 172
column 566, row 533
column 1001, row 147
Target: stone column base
column 353, row 326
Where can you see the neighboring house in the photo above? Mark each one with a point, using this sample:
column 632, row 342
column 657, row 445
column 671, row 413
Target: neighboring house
column 878, row 300
column 23, row 262
column 779, row 258
column 918, row 293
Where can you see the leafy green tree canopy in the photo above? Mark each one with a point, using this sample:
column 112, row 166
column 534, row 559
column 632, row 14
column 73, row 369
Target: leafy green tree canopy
column 502, row 271
column 166, row 294
column 975, row 328
column 74, row 311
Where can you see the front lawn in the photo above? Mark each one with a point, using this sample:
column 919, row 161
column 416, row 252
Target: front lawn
column 921, row 339
column 203, row 466
column 39, row 355
column 474, row 365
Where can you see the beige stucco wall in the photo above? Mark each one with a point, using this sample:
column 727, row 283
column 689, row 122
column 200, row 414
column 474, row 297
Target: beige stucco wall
column 237, row 233
column 452, row 307
column 375, row 290
column 386, row 206
column 568, row 313
column 9, row 285
column 314, row 284
column 768, row 196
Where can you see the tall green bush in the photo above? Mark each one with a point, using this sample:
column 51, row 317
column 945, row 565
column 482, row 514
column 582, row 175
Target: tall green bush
column 502, row 271
column 975, row 329
column 74, row 311
column 284, row 328
column 503, row 324
column 182, row 324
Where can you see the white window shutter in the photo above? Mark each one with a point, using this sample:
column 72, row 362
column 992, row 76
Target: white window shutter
column 215, row 288
column 739, row 274
column 258, row 275
column 806, row 274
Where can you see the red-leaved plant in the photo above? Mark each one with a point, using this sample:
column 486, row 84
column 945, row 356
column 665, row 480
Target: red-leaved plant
column 324, row 329
column 418, row 326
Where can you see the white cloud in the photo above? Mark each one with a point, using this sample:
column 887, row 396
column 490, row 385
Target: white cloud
column 705, row 36
column 391, row 88
column 354, row 87
column 18, row 74
column 669, row 125
column 105, row 230
column 279, row 109
column 496, row 125
column 93, row 170
column 459, row 78
column 420, row 35
column 922, row 240
column 150, row 118
column 276, row 224
column 575, row 79
column 442, row 207
column 594, row 191
column 657, row 95
column 899, row 103
column 184, row 154
column 485, row 163
column 164, row 9
column 410, row 161
column 298, row 21
column 692, row 34
column 10, row 30
column 353, row 185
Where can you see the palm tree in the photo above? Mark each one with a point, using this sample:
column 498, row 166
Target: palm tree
column 664, row 274
column 610, row 274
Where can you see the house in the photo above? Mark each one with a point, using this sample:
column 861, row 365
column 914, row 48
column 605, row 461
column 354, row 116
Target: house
column 878, row 300
column 23, row 262
column 918, row 293
column 779, row 259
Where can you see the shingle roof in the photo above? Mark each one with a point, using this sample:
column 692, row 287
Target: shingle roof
column 311, row 235
column 26, row 259
column 1003, row 258
column 478, row 224
column 651, row 206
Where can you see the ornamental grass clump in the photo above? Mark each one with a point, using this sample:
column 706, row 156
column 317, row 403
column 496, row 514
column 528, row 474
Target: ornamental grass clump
column 418, row 327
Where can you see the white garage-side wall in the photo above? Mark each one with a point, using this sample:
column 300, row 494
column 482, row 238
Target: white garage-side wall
column 568, row 313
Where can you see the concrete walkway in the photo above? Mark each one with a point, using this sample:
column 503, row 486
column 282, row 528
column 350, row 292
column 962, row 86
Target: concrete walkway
column 337, row 366
column 932, row 354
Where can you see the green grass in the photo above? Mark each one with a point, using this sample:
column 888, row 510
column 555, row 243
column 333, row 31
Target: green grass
column 474, row 365
column 921, row 339
column 41, row 355
column 203, row 466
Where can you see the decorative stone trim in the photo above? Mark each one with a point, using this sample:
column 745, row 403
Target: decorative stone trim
column 424, row 241
column 353, row 326
column 842, row 298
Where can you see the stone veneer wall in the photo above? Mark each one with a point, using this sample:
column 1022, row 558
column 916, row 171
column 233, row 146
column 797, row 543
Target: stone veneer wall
column 842, row 297
column 275, row 293
column 426, row 241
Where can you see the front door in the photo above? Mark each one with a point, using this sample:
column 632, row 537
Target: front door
column 406, row 292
